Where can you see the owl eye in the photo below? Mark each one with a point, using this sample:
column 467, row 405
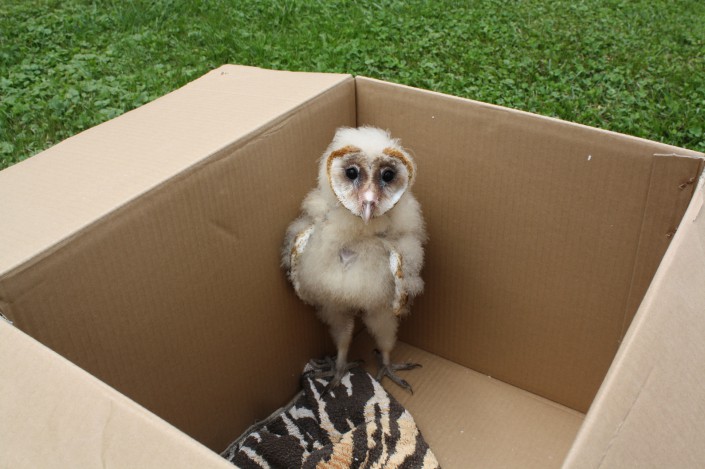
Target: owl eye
column 388, row 175
column 352, row 173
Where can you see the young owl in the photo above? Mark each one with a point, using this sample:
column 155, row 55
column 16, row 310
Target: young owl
column 357, row 247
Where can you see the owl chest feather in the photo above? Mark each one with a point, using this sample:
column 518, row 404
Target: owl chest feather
column 347, row 256
column 352, row 270
column 353, row 257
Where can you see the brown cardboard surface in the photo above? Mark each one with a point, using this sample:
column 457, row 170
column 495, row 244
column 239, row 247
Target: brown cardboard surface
column 650, row 411
column 542, row 233
column 55, row 415
column 474, row 421
column 181, row 288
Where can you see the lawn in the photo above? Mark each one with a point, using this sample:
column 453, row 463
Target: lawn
column 636, row 67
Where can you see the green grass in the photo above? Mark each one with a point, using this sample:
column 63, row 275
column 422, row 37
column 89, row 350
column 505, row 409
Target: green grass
column 636, row 67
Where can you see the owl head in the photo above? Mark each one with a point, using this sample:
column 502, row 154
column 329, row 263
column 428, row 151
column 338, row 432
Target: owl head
column 367, row 171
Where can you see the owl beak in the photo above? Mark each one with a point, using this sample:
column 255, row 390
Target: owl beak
column 369, row 200
column 367, row 209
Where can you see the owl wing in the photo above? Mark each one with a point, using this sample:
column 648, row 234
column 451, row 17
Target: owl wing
column 401, row 296
column 297, row 249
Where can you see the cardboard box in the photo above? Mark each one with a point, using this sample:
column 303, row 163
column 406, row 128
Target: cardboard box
column 152, row 323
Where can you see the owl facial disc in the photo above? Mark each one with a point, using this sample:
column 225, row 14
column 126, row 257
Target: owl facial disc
column 368, row 185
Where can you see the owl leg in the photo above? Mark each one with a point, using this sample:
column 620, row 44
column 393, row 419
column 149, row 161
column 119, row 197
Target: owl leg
column 341, row 329
column 383, row 327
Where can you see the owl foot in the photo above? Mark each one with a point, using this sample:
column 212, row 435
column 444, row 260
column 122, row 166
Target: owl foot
column 389, row 369
column 326, row 368
column 322, row 367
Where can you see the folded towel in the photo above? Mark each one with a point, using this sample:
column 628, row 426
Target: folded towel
column 355, row 425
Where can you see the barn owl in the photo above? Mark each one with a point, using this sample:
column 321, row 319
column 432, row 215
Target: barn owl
column 357, row 246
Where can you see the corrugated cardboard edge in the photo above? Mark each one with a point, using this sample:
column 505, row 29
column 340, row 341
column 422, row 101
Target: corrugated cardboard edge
column 650, row 410
column 54, row 414
column 674, row 150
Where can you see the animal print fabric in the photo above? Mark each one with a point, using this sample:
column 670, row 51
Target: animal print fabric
column 356, row 425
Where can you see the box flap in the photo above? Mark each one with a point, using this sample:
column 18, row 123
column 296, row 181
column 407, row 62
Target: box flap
column 55, row 415
column 650, row 410
column 51, row 196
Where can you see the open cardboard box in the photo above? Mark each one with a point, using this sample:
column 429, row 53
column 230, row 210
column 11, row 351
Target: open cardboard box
column 152, row 324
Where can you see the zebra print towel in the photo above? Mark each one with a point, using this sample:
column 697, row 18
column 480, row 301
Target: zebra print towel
column 356, row 425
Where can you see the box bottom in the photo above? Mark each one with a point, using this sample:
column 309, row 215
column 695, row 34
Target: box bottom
column 472, row 420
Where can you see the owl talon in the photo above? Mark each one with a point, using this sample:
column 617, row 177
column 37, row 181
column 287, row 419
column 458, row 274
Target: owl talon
column 325, row 368
column 334, row 382
column 389, row 369
column 323, row 365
